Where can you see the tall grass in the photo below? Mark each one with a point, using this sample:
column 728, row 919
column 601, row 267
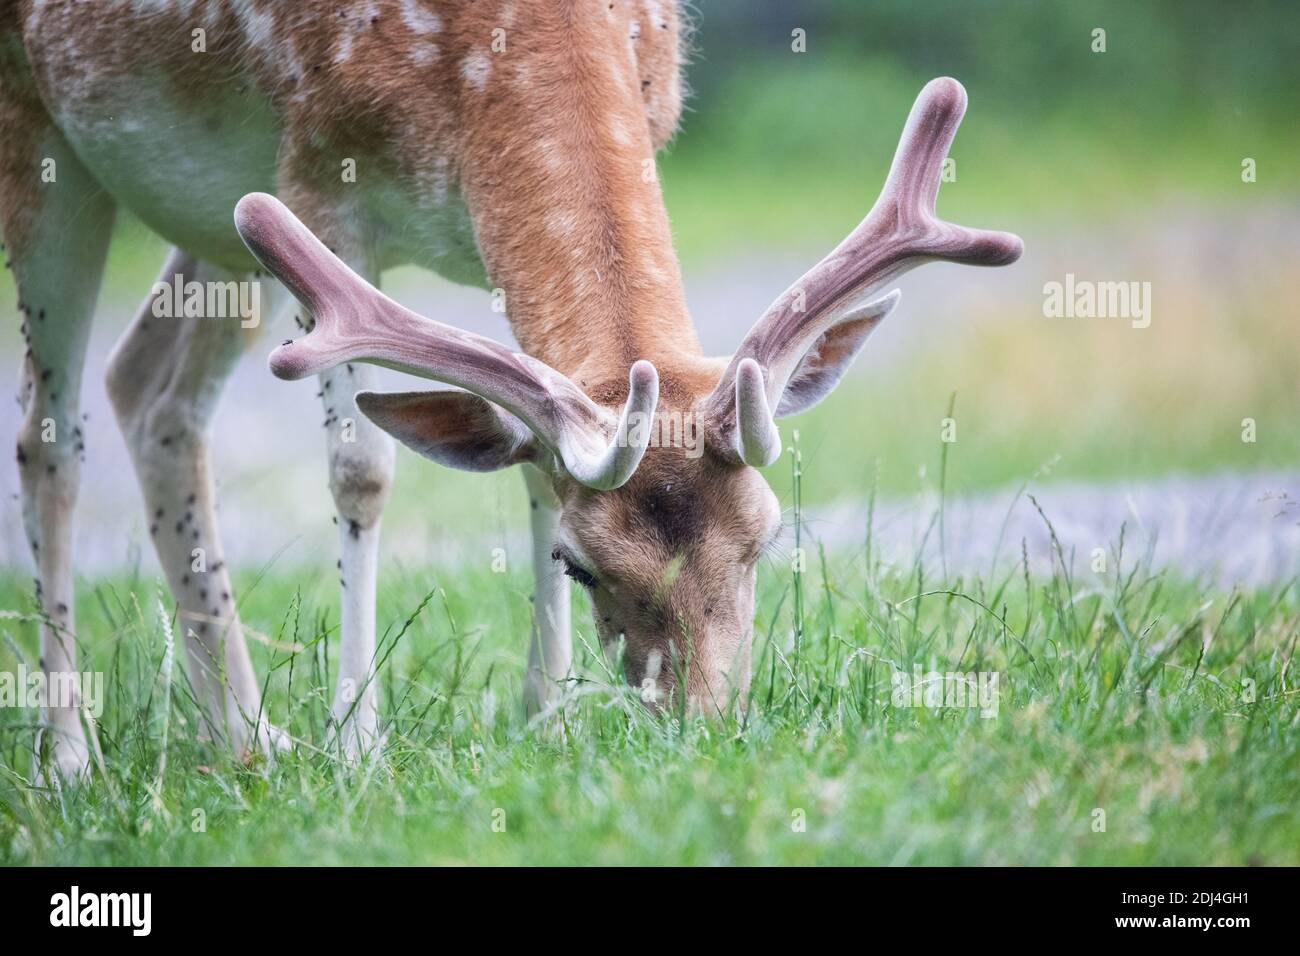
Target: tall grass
column 1129, row 697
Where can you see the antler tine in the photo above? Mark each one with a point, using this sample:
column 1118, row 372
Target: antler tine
column 356, row 322
column 913, row 185
column 353, row 321
column 901, row 232
column 611, row 466
column 757, row 439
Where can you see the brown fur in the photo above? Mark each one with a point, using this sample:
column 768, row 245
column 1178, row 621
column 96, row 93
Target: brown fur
column 674, row 552
column 607, row 283
column 22, row 123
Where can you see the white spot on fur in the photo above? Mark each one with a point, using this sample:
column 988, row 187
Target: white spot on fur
column 158, row 6
column 257, row 25
column 634, row 29
column 552, row 155
column 653, row 270
column 561, row 223
column 618, row 132
column 34, row 15
column 419, row 20
column 475, row 68
column 615, row 68
column 345, row 47
column 655, row 14
column 288, row 55
column 353, row 28
column 422, row 54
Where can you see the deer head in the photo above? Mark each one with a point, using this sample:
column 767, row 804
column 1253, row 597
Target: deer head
column 665, row 536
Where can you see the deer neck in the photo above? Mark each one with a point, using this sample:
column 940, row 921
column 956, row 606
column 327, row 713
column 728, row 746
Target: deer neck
column 559, row 175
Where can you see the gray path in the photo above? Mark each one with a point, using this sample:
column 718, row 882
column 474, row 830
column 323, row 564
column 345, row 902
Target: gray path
column 269, row 446
column 1220, row 529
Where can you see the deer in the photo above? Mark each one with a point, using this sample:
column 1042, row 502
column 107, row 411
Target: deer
column 509, row 145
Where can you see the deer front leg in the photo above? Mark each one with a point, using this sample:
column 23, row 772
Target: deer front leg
column 550, row 649
column 164, row 379
column 361, row 461
column 361, row 464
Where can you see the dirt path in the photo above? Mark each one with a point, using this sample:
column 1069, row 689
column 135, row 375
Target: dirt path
column 1223, row 529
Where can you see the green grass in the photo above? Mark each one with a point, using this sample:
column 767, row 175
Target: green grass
column 1167, row 708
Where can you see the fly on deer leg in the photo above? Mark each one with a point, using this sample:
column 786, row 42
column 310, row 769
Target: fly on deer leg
column 361, row 463
column 164, row 379
column 361, row 460
column 57, row 259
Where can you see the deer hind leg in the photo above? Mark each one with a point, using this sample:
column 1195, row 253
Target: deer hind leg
column 164, row 379
column 57, row 223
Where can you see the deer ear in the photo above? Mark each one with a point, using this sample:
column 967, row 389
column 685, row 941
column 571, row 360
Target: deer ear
column 823, row 365
column 456, row 429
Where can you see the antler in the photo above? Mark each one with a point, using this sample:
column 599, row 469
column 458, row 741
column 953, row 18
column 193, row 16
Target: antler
column 899, row 233
column 355, row 322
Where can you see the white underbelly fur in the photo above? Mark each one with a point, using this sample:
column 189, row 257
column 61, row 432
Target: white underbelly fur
column 181, row 171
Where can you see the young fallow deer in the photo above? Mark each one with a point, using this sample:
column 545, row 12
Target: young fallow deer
column 510, row 140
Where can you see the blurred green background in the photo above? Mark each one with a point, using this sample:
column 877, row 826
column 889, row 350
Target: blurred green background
column 782, row 147
column 1123, row 165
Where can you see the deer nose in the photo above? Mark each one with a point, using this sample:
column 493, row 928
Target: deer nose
column 719, row 674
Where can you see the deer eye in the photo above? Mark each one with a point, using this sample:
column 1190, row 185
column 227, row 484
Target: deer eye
column 575, row 571
column 581, row 575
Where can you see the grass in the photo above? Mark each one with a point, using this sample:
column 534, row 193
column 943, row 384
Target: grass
column 1128, row 693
